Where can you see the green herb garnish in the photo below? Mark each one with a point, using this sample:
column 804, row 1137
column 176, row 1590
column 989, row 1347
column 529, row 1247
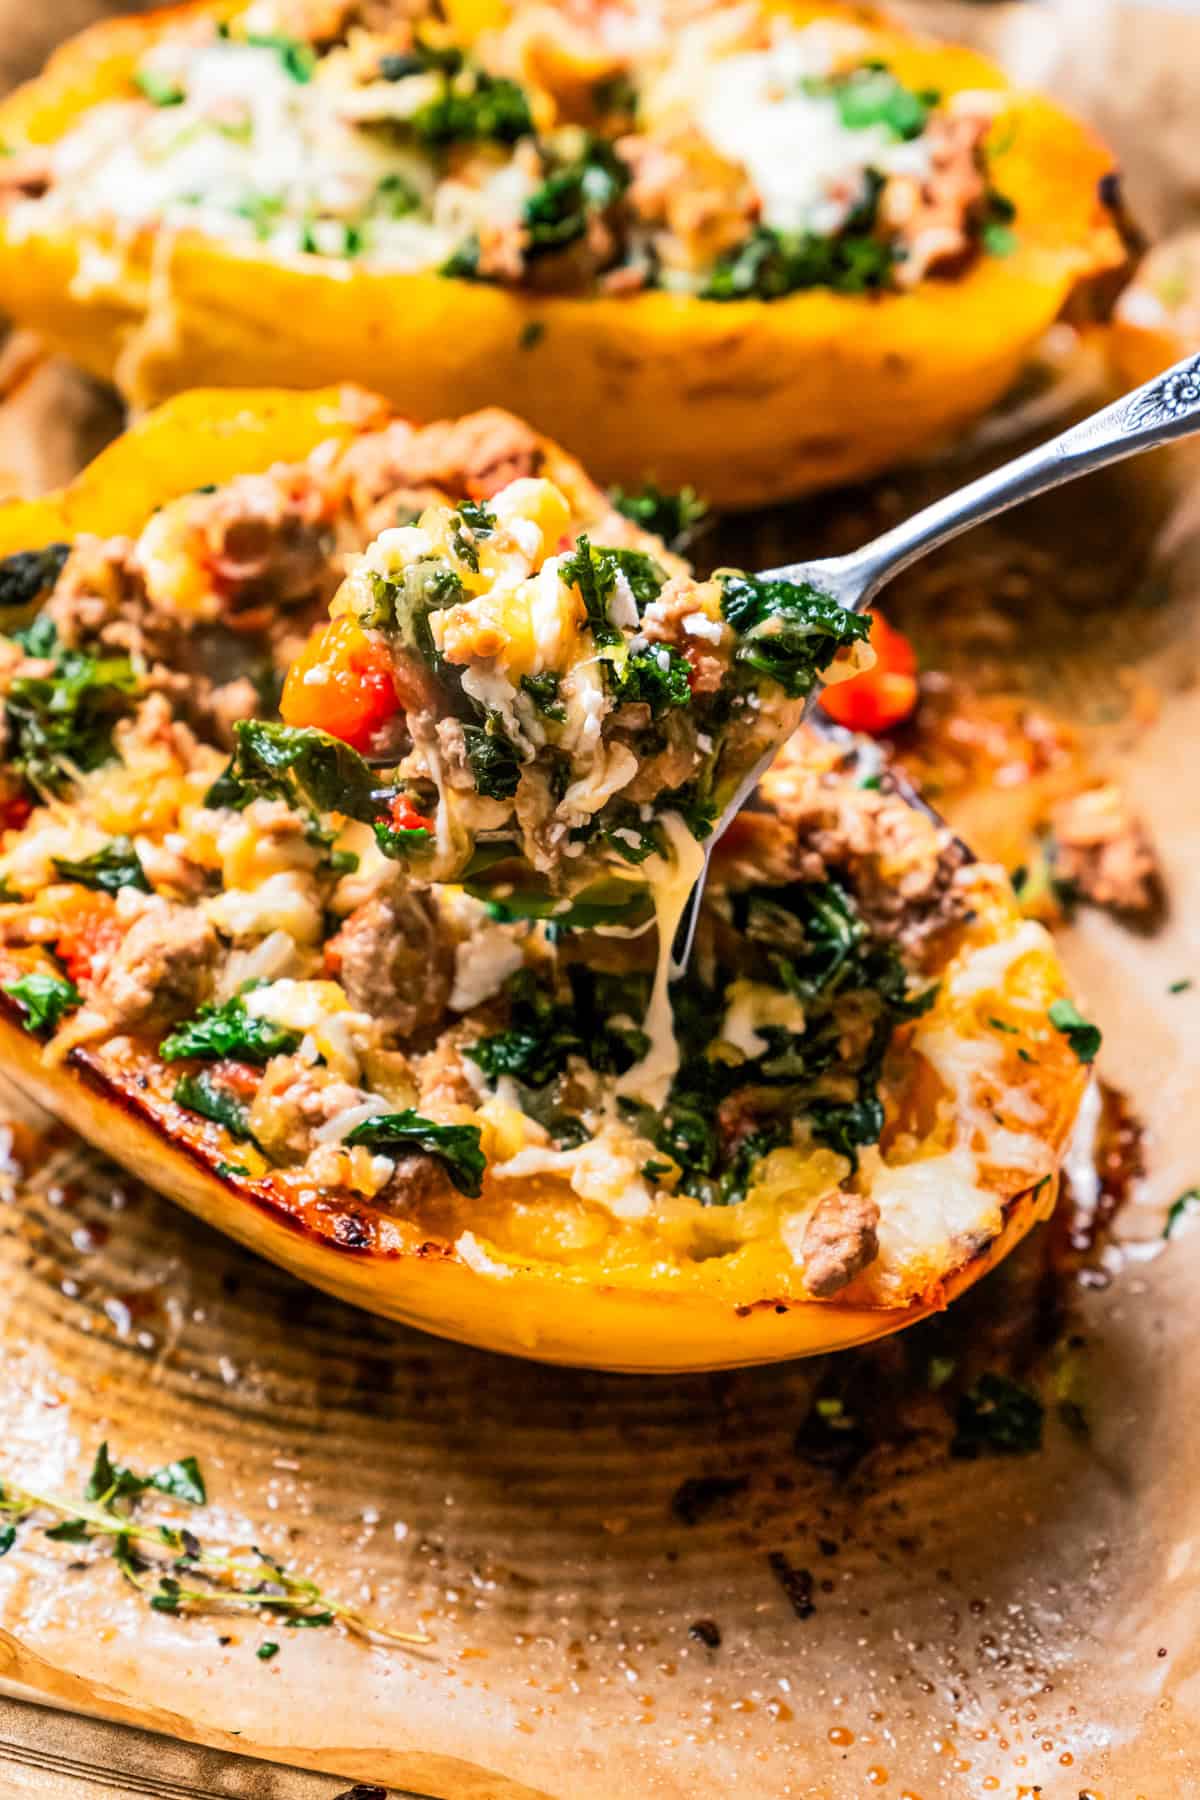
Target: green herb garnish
column 1083, row 1037
column 156, row 1557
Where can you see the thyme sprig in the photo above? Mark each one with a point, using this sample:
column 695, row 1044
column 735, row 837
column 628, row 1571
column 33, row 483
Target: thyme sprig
column 169, row 1565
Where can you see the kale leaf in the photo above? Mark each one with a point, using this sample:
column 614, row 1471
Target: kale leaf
column 202, row 1093
column 456, row 1147
column 63, row 721
column 306, row 768
column 669, row 516
column 771, row 264
column 46, row 998
column 997, row 1416
column 543, row 691
column 660, row 677
column 29, row 574
column 109, row 870
column 789, row 631
column 493, row 759
column 595, row 575
column 229, row 1030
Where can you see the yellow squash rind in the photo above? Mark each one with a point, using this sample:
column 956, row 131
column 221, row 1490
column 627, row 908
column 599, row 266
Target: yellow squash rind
column 750, row 402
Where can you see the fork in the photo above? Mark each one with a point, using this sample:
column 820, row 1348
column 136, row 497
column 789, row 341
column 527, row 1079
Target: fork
column 1167, row 407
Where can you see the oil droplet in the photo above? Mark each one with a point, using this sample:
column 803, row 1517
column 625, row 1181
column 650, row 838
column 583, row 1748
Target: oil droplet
column 991, row 1784
column 839, row 1735
column 1066, row 1759
column 877, row 1776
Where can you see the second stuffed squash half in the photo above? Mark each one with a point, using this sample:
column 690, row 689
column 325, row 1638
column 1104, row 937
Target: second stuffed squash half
column 223, row 961
column 760, row 248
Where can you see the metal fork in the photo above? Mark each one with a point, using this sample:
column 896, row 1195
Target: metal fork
column 1165, row 408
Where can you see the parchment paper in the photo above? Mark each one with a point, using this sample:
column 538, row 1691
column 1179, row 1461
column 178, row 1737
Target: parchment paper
column 1006, row 1626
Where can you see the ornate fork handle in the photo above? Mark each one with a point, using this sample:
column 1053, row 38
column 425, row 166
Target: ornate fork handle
column 1167, row 407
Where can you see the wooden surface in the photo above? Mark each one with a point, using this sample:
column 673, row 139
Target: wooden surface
column 919, row 1626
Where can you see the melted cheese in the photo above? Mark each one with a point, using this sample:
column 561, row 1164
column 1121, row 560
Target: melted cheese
column 671, row 879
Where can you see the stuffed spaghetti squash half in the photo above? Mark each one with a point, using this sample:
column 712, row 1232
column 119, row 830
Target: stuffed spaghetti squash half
column 222, row 960
column 756, row 247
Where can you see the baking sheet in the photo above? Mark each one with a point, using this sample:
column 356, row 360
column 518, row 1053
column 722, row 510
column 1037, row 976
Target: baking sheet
column 913, row 1625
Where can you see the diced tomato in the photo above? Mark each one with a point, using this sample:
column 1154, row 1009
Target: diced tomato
column 89, row 937
column 14, row 811
column 885, row 695
column 342, row 683
column 240, row 1078
column 405, row 817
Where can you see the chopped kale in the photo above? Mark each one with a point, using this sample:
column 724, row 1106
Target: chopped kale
column 456, row 1147
column 997, row 1416
column 871, row 95
column 540, row 1037
column 599, row 1024
column 996, row 233
column 1181, row 1209
column 28, row 575
column 473, row 108
column 669, row 516
column 202, row 1093
column 594, row 573
column 659, row 677
column 39, row 637
column 62, row 722
column 771, row 264
column 158, row 89
column 109, row 870
column 543, row 691
column 646, row 578
column 1083, row 1037
column 493, row 759
column 471, row 522
column 306, row 768
column 394, row 198
column 228, row 1030
column 266, row 1651
column 629, row 836
column 403, row 605
column 46, row 998
column 298, row 58
column 789, row 631
column 557, row 213
column 422, row 59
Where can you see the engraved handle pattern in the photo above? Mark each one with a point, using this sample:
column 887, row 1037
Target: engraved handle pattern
column 1167, row 407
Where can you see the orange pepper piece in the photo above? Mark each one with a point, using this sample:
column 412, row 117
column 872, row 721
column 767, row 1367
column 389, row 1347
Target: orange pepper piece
column 342, row 682
column 882, row 697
